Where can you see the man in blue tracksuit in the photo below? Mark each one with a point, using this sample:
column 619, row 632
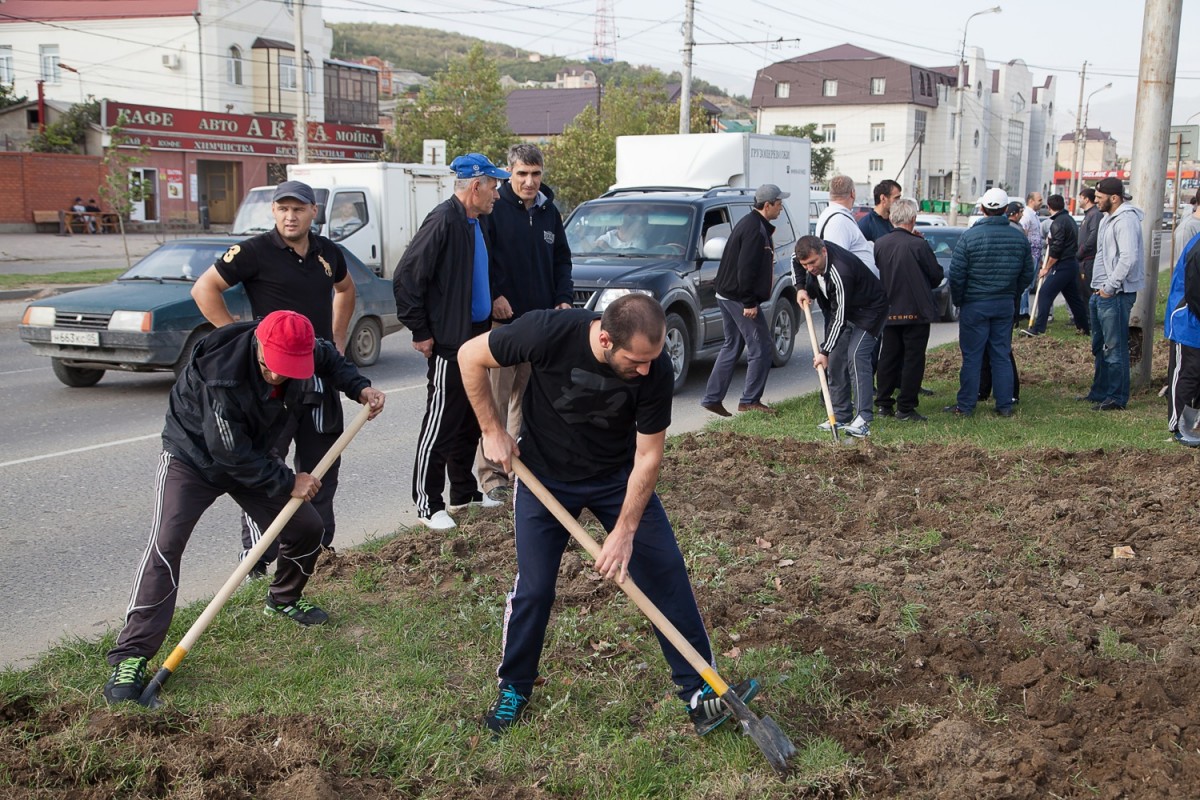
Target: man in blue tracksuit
column 1182, row 328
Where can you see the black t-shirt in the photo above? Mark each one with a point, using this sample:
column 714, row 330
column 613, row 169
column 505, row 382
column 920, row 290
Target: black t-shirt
column 580, row 419
column 276, row 279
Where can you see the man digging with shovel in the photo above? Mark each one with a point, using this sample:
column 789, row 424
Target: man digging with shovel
column 224, row 416
column 595, row 419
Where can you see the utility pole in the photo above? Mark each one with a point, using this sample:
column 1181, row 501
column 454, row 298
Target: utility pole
column 200, row 54
column 1152, row 116
column 301, row 75
column 685, row 85
column 1076, row 181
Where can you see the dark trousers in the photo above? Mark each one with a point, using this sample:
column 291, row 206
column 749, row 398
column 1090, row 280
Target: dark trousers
column 181, row 497
column 656, row 566
column 902, row 365
column 1183, row 382
column 985, row 377
column 311, row 447
column 447, row 443
column 741, row 333
column 985, row 326
column 1086, row 268
column 1064, row 280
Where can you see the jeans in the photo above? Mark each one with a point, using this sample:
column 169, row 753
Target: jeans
column 1110, row 346
column 985, row 325
column 741, row 332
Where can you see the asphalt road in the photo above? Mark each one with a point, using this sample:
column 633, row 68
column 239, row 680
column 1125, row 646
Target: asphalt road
column 78, row 470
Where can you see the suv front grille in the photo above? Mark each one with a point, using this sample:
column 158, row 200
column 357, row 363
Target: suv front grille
column 582, row 297
column 79, row 321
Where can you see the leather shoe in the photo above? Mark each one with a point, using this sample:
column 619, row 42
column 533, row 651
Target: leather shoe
column 757, row 406
column 717, row 408
column 1004, row 412
column 956, row 411
column 1083, row 398
column 1108, row 405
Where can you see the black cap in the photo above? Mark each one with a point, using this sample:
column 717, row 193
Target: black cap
column 1113, row 186
column 296, row 190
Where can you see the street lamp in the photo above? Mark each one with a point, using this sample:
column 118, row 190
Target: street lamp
column 1081, row 154
column 962, row 76
column 78, row 77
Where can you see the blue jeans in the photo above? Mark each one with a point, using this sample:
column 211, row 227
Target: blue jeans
column 741, row 332
column 1110, row 346
column 985, row 325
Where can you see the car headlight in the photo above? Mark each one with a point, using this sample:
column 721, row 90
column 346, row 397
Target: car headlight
column 39, row 316
column 129, row 321
column 609, row 295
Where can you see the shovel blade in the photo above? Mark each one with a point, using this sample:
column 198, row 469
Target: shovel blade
column 771, row 740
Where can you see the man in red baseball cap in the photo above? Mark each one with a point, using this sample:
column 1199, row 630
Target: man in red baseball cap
column 241, row 385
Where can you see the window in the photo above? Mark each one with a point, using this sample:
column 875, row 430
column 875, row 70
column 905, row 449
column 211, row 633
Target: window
column 783, row 89
column 977, row 137
column 878, row 85
column 830, row 133
column 920, row 120
column 875, row 165
column 50, row 71
column 877, row 132
column 287, row 72
column 308, row 75
column 6, row 65
column 829, row 88
column 347, row 215
column 235, row 66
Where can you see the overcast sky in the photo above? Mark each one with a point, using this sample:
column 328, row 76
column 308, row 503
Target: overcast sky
column 1050, row 37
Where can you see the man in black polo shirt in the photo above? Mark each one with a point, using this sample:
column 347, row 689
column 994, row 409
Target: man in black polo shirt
column 290, row 268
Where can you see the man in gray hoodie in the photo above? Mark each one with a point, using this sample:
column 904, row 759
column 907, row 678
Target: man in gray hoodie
column 1117, row 277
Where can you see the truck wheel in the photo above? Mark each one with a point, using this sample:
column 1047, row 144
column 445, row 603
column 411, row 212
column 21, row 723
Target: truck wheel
column 366, row 340
column 77, row 377
column 679, row 347
column 783, row 331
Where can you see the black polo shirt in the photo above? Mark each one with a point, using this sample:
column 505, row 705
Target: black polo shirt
column 277, row 279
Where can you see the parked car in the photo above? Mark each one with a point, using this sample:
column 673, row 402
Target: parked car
column 818, row 201
column 673, row 256
column 930, row 220
column 146, row 320
column 943, row 239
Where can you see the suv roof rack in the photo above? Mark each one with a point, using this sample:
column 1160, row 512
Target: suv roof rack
column 716, row 190
column 649, row 190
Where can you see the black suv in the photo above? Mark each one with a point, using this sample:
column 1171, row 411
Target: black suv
column 667, row 243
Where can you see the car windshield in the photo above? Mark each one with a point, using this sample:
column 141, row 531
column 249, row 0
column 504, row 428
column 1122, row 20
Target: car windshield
column 630, row 229
column 942, row 241
column 180, row 260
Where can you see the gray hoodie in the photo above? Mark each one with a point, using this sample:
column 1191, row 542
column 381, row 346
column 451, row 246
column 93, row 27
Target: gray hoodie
column 1120, row 256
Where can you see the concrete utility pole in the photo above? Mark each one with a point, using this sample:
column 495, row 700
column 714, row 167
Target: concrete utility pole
column 685, row 85
column 301, row 75
column 1076, row 181
column 1152, row 116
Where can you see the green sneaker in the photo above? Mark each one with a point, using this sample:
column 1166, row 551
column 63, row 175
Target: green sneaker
column 127, row 681
column 504, row 712
column 708, row 711
column 301, row 611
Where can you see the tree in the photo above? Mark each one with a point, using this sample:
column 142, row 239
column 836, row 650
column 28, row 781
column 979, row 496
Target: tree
column 822, row 157
column 464, row 105
column 583, row 161
column 67, row 134
column 8, row 96
column 120, row 189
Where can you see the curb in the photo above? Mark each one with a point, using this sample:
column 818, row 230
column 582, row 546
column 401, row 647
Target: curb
column 39, row 292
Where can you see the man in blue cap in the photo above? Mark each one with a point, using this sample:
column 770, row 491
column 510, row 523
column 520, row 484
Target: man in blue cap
column 444, row 296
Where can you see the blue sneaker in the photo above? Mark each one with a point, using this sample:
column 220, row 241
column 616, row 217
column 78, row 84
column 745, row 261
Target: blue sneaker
column 708, row 711
column 504, row 712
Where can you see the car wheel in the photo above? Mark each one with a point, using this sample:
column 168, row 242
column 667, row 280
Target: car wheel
column 679, row 347
column 185, row 354
column 783, row 331
column 77, row 377
column 366, row 340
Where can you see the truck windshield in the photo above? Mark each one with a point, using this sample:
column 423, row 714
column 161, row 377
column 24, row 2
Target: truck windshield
column 634, row 228
column 254, row 214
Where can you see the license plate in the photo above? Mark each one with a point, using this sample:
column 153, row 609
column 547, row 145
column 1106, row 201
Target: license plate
column 84, row 338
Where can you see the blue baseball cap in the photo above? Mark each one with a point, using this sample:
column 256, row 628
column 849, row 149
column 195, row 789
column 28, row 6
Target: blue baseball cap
column 295, row 190
column 473, row 165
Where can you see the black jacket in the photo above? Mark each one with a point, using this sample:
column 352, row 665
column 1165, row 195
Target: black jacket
column 747, row 266
column 1064, row 238
column 909, row 272
column 1087, row 234
column 856, row 296
column 221, row 416
column 529, row 260
column 432, row 283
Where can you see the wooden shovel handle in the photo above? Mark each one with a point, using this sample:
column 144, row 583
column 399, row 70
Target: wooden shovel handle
column 812, row 337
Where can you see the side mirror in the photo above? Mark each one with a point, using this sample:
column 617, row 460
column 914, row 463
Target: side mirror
column 319, row 222
column 714, row 248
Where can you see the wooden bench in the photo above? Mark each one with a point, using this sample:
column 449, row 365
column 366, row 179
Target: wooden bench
column 109, row 222
column 47, row 218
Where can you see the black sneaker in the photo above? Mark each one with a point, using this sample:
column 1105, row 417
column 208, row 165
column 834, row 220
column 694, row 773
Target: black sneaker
column 301, row 611
column 911, row 416
column 885, row 411
column 708, row 711
column 506, row 710
column 127, row 681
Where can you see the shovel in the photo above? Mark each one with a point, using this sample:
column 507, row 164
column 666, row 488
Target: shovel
column 812, row 337
column 149, row 696
column 774, row 744
column 1037, row 288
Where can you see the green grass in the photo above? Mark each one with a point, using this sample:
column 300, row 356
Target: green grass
column 24, row 280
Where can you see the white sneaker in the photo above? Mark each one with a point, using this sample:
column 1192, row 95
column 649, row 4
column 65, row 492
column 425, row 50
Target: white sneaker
column 859, row 428
column 480, row 500
column 841, row 426
column 438, row 521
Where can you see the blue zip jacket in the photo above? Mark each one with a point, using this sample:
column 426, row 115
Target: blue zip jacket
column 530, row 259
column 1183, row 324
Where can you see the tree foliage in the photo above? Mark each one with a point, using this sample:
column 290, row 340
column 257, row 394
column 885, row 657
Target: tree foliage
column 463, row 105
column 67, row 134
column 9, row 96
column 822, row 157
column 119, row 189
column 582, row 163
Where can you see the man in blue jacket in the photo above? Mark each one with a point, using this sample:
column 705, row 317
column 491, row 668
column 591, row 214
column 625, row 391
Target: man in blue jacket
column 990, row 268
column 743, row 284
column 530, row 268
column 1182, row 328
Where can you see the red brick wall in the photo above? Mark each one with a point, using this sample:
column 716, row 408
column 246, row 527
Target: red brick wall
column 44, row 182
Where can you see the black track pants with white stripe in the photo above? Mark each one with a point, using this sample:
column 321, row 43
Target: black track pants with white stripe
column 181, row 495
column 1183, row 382
column 449, row 437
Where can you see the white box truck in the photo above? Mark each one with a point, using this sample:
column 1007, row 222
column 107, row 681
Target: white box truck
column 709, row 160
column 372, row 209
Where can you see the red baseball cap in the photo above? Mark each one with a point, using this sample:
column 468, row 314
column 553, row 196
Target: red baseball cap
column 287, row 341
